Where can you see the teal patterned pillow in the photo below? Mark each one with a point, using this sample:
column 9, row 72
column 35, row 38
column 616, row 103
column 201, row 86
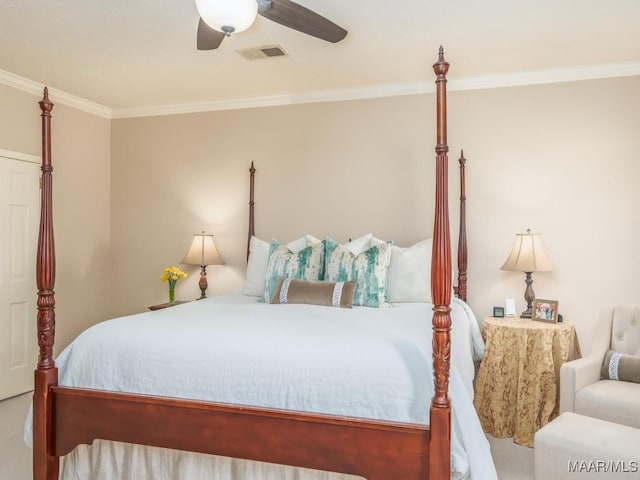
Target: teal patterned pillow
column 307, row 264
column 368, row 269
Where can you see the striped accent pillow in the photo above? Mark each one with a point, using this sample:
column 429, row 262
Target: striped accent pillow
column 368, row 269
column 331, row 294
column 621, row 366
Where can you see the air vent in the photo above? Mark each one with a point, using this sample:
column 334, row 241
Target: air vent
column 257, row 53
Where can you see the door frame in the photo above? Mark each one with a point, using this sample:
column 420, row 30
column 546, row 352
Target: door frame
column 24, row 157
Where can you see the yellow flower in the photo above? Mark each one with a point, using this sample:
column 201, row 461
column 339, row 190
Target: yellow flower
column 172, row 275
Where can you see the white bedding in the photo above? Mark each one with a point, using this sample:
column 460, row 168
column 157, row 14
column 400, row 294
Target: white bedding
column 361, row 362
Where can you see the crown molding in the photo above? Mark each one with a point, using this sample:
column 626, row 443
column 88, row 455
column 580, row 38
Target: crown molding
column 541, row 77
column 12, row 80
column 320, row 96
column 479, row 82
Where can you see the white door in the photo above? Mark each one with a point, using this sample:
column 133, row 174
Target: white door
column 19, row 222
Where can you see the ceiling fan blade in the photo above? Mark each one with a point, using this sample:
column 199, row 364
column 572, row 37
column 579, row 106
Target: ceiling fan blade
column 297, row 17
column 208, row 38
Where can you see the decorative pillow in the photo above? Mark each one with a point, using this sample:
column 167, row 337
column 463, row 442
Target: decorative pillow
column 331, row 294
column 409, row 274
column 621, row 366
column 368, row 269
column 359, row 245
column 259, row 258
column 307, row 264
column 402, row 260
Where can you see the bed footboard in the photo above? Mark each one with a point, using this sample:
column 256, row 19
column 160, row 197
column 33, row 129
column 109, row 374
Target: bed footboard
column 376, row 450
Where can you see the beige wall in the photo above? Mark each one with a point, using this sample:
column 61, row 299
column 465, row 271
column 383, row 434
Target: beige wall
column 81, row 154
column 562, row 160
column 325, row 169
column 559, row 159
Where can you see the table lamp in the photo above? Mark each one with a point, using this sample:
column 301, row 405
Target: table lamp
column 202, row 252
column 527, row 255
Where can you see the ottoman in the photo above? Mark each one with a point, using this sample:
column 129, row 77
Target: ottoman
column 577, row 447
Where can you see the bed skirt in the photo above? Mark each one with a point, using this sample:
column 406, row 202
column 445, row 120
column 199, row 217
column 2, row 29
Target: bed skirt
column 106, row 460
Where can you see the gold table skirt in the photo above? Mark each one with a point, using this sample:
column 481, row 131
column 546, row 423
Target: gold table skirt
column 517, row 386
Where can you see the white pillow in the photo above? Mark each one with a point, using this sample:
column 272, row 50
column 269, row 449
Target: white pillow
column 259, row 258
column 409, row 273
column 360, row 244
column 256, row 267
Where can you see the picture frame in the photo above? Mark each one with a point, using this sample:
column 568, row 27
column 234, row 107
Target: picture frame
column 498, row 312
column 545, row 310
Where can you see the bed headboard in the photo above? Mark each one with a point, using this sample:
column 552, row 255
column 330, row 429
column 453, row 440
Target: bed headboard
column 460, row 289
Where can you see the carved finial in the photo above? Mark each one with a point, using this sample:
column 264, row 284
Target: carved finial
column 441, row 67
column 252, row 169
column 45, row 104
column 462, row 160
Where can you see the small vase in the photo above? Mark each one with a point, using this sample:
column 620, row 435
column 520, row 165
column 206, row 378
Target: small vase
column 172, row 293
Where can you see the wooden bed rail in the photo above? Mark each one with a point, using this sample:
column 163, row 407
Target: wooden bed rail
column 374, row 449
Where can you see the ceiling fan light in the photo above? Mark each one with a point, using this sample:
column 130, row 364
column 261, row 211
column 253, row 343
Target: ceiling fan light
column 239, row 14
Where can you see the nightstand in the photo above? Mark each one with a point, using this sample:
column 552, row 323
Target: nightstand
column 516, row 390
column 167, row 305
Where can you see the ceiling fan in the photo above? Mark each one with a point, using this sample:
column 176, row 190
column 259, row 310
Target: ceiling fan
column 220, row 18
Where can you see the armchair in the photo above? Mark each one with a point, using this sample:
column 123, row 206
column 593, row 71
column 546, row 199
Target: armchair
column 581, row 389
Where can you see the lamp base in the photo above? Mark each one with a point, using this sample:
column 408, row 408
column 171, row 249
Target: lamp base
column 529, row 295
column 203, row 282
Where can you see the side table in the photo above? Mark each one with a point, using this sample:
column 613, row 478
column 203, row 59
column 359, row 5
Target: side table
column 167, row 305
column 516, row 390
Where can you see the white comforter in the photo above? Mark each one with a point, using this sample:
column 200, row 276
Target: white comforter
column 361, row 362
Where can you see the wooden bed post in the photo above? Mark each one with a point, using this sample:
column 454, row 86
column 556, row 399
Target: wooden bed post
column 462, row 237
column 252, row 228
column 45, row 464
column 440, row 423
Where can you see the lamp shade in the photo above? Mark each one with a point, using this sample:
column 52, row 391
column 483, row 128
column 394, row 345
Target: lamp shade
column 237, row 14
column 527, row 254
column 203, row 251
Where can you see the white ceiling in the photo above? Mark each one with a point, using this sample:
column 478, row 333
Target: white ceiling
column 127, row 54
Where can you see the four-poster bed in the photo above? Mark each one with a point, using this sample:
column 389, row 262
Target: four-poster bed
column 64, row 417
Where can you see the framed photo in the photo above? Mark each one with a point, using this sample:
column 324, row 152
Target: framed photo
column 498, row 312
column 545, row 310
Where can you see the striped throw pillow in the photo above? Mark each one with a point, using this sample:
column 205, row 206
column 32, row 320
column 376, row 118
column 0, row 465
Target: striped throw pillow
column 306, row 264
column 368, row 269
